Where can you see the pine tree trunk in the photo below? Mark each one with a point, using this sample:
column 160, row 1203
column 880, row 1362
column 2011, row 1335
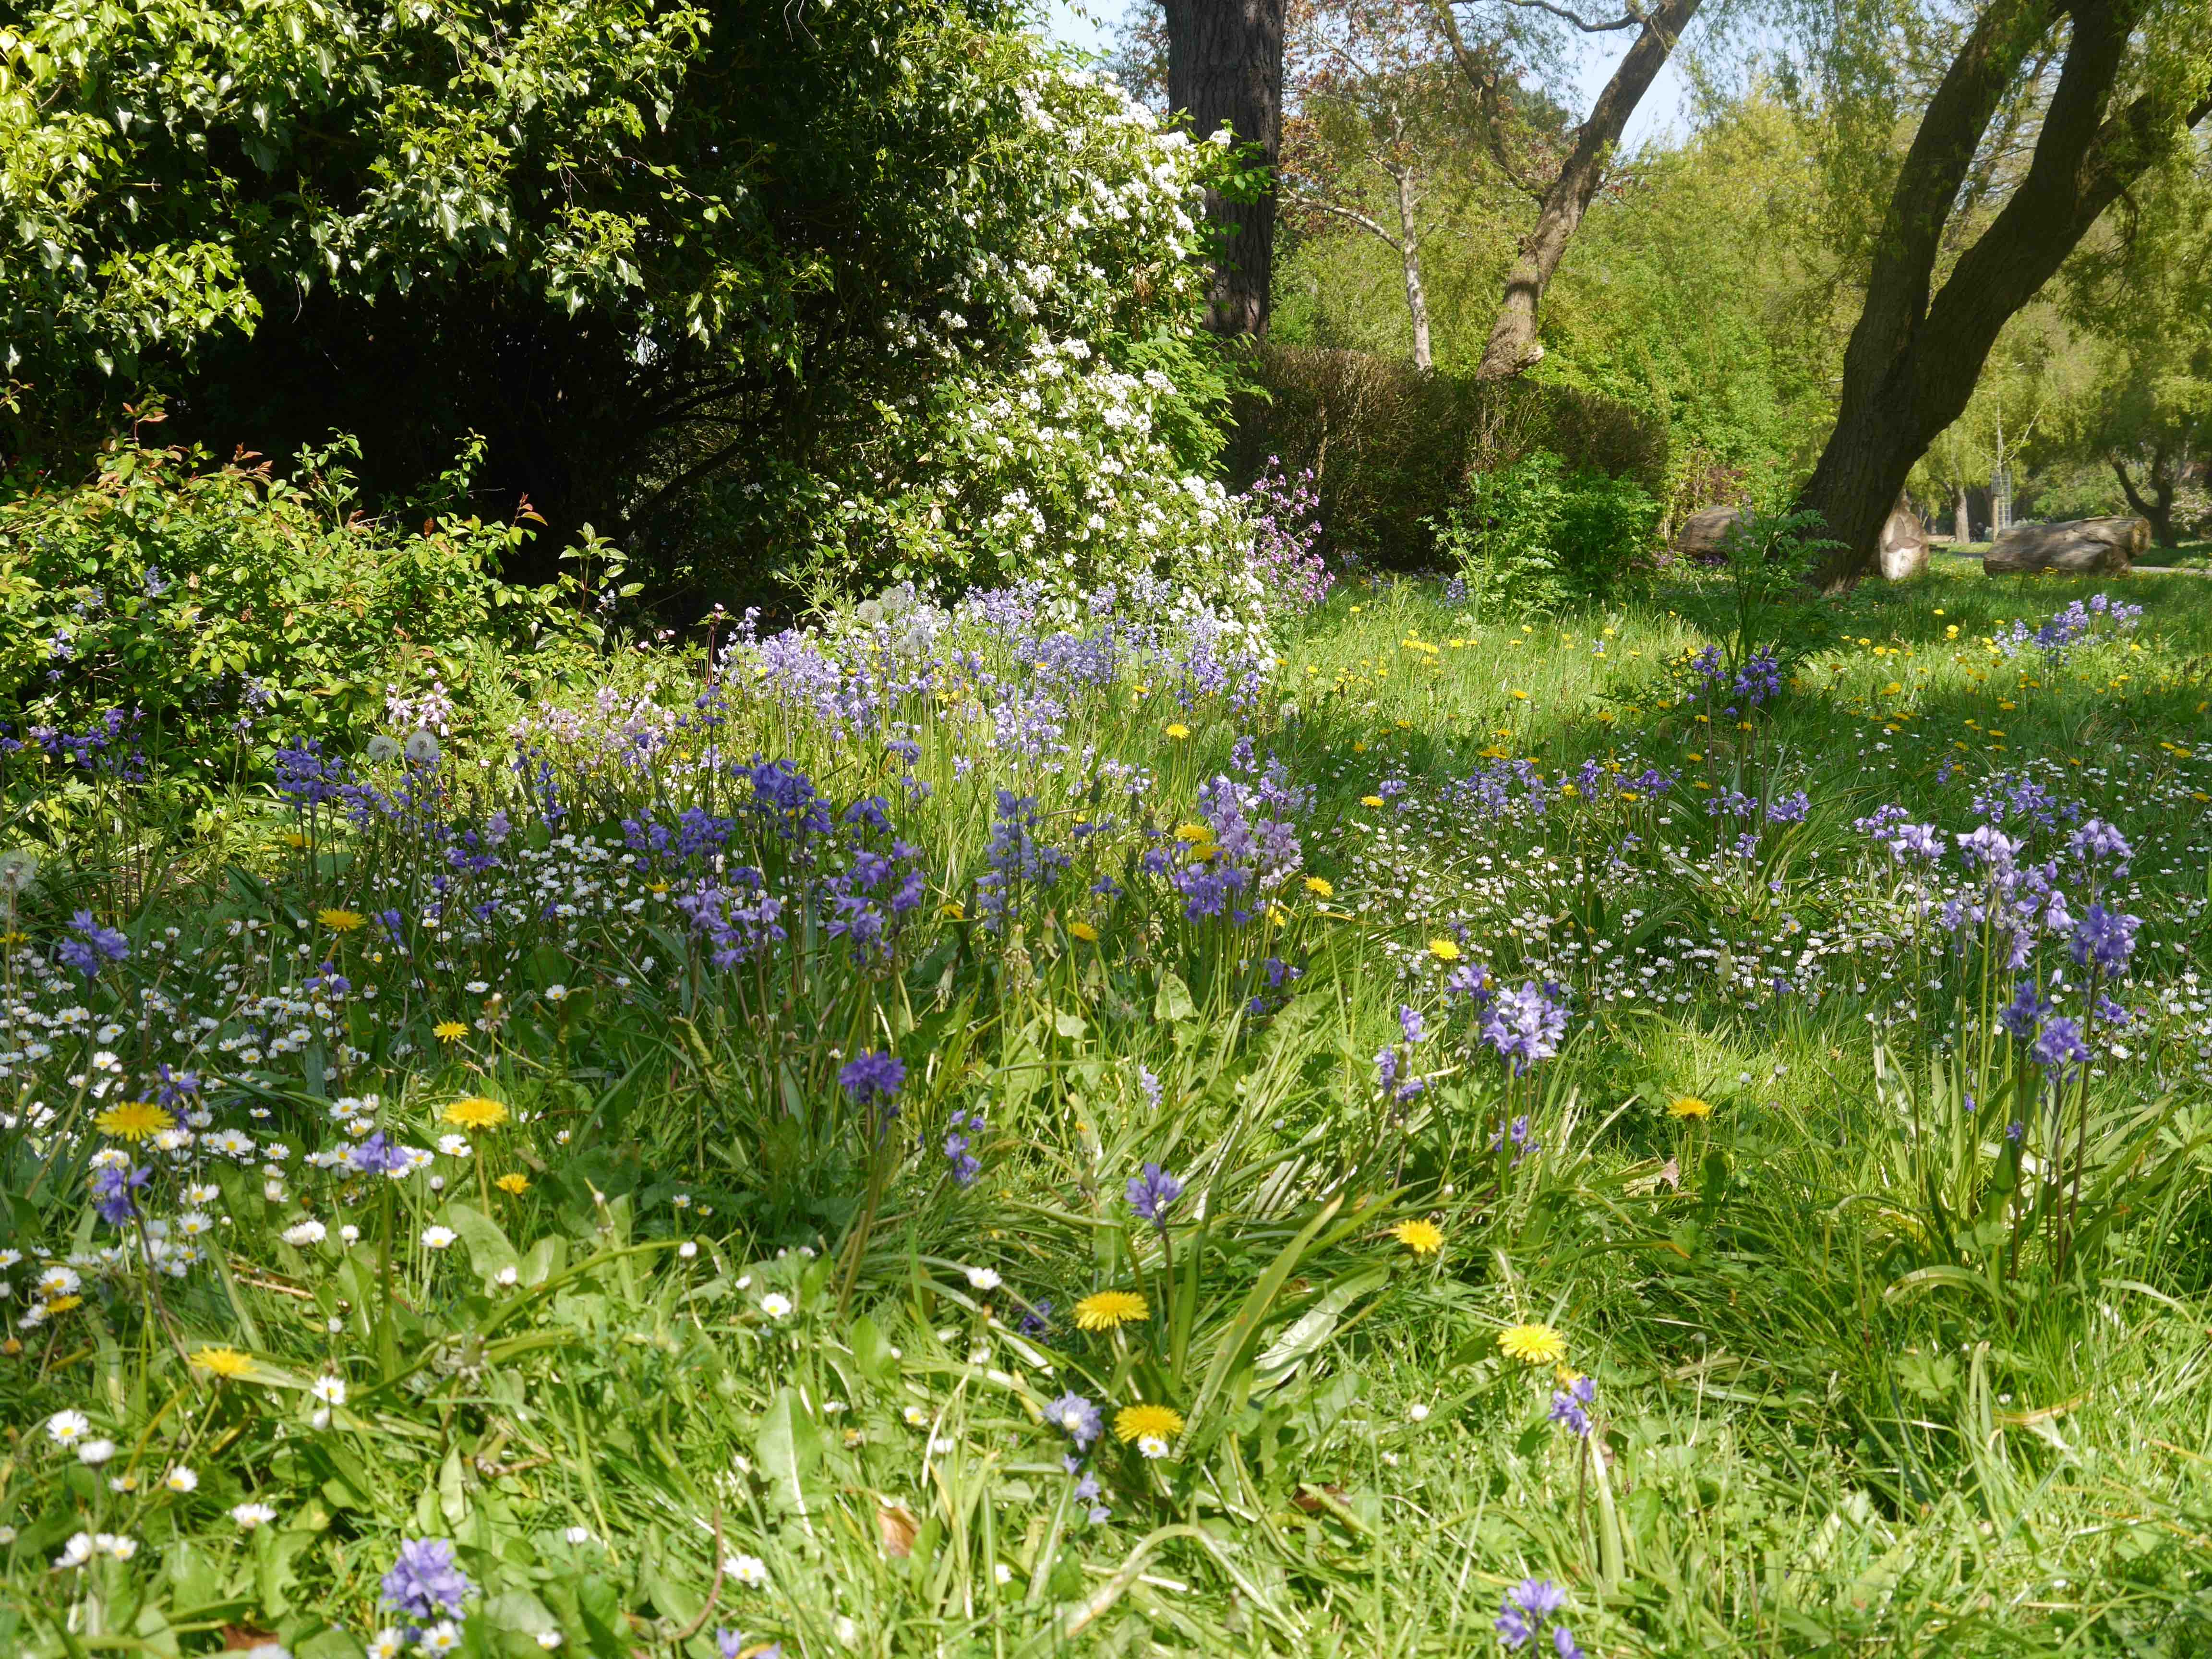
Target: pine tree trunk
column 1225, row 67
column 1512, row 347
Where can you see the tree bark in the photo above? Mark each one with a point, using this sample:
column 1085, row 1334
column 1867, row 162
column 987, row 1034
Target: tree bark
column 1912, row 363
column 2158, row 510
column 1225, row 67
column 1513, row 346
column 1409, row 252
column 1962, row 516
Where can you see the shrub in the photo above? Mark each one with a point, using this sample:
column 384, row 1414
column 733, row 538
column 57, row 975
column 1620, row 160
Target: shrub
column 228, row 605
column 1392, row 449
column 1533, row 537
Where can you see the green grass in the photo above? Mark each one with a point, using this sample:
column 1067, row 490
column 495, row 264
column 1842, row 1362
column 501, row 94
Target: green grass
column 1829, row 1419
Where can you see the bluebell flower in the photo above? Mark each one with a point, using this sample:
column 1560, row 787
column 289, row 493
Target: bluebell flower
column 1525, row 1026
column 2106, row 937
column 425, row 1583
column 873, row 1076
column 2024, row 1013
column 2060, row 1046
column 1151, row 1193
column 1076, row 1418
column 95, row 947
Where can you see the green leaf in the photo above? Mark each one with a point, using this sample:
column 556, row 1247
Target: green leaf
column 789, row 1449
column 1173, row 1002
column 490, row 1252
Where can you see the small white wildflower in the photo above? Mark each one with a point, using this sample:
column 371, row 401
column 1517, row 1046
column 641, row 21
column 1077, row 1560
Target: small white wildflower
column 182, row 1478
column 439, row 1238
column 748, row 1570
column 984, row 1279
column 775, row 1305
column 66, row 1428
column 331, row 1390
column 301, row 1233
column 250, row 1516
column 95, row 1452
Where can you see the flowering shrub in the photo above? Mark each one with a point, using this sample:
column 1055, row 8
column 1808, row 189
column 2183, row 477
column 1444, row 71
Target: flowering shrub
column 196, row 612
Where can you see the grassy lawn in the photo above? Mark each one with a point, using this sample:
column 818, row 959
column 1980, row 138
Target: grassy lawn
column 1727, row 1300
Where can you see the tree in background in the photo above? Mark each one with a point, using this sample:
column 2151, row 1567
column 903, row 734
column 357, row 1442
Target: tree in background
column 1375, row 110
column 2143, row 295
column 1563, row 190
column 741, row 287
column 1224, row 69
column 2131, row 81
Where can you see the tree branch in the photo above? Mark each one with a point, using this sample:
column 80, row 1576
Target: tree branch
column 1314, row 202
column 1484, row 80
column 1634, row 18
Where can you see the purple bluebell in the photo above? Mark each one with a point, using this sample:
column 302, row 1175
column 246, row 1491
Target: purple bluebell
column 1152, row 1193
column 425, row 1583
column 2024, row 1013
column 2106, row 937
column 1076, row 1418
column 2060, row 1046
column 115, row 1192
column 873, row 1076
column 1525, row 1026
column 94, row 947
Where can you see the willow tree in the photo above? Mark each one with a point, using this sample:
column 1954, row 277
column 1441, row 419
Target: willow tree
column 2108, row 89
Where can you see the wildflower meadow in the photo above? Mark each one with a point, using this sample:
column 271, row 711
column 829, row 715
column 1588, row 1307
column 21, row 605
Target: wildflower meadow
column 1068, row 1122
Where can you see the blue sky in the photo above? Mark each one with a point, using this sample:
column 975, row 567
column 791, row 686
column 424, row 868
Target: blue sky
column 1665, row 108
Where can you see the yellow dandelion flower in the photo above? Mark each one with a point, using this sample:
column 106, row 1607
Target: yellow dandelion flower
column 341, row 921
column 1135, row 1422
column 1194, row 832
column 1108, row 1309
column 223, row 1362
column 515, row 1184
column 134, row 1120
column 1532, row 1345
column 449, row 1031
column 475, row 1112
column 62, row 1305
column 1178, row 731
column 1320, row 887
column 1421, row 1237
column 295, row 840
column 1371, row 800
column 1084, row 931
column 1444, row 949
column 953, row 912
column 1689, row 1106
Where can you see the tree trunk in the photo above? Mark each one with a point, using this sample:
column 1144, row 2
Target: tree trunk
column 2158, row 510
column 1409, row 251
column 1962, row 516
column 1911, row 363
column 1513, row 346
column 1225, row 67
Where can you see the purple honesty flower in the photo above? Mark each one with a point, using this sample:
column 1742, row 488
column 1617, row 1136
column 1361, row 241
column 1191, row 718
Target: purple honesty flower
column 1411, row 1023
column 2108, row 937
column 1151, row 1193
column 1076, row 1418
column 1150, row 1085
column 1563, row 1643
column 425, row 1582
column 1530, row 1604
column 873, row 1076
